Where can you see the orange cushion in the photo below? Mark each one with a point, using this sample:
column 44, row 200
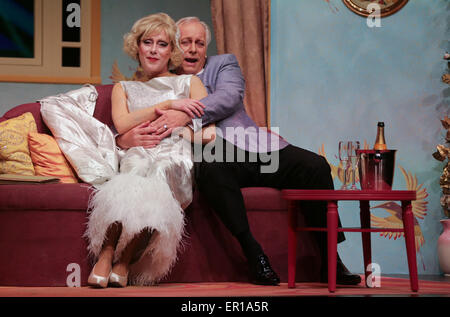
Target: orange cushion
column 48, row 160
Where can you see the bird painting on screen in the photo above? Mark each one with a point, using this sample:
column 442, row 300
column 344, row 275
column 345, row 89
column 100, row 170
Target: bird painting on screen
column 394, row 220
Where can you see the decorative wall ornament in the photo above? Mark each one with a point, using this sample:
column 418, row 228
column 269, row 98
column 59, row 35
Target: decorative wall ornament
column 443, row 154
column 365, row 7
column 446, row 77
column 443, row 151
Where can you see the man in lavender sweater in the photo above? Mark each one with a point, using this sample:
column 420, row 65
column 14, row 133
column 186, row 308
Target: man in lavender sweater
column 243, row 155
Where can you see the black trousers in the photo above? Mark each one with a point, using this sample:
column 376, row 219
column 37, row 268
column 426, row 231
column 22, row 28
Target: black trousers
column 220, row 182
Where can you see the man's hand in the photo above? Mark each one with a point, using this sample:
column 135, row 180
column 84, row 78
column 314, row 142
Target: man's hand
column 141, row 135
column 169, row 120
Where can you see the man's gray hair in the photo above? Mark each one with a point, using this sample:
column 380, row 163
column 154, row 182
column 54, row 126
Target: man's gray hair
column 195, row 19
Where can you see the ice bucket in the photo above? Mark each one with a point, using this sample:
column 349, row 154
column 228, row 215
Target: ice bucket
column 376, row 169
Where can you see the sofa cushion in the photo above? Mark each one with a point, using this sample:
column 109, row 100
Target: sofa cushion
column 76, row 196
column 48, row 160
column 49, row 197
column 14, row 152
column 263, row 198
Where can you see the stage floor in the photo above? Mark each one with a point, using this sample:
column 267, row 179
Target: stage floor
column 392, row 285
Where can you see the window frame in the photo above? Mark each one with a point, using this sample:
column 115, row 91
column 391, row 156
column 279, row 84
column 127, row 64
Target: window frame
column 43, row 68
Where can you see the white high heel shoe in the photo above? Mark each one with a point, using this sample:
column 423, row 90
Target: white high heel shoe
column 98, row 281
column 116, row 280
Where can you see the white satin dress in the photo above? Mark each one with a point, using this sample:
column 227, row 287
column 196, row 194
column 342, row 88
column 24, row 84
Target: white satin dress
column 150, row 190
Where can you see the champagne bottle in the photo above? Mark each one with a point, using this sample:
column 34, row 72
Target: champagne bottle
column 380, row 143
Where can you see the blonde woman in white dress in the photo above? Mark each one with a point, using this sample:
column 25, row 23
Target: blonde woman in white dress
column 136, row 219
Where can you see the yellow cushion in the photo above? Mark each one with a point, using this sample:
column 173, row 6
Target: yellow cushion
column 48, row 159
column 14, row 154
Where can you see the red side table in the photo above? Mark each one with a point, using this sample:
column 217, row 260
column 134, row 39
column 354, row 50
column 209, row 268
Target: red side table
column 293, row 196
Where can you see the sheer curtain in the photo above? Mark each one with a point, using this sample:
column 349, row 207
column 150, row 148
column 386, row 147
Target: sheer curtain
column 241, row 27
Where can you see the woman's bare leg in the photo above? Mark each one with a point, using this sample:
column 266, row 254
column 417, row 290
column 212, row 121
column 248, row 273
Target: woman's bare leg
column 106, row 256
column 132, row 252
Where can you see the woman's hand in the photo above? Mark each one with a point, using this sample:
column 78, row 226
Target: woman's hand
column 191, row 107
column 142, row 135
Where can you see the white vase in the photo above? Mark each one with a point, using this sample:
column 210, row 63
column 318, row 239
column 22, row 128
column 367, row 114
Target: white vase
column 444, row 247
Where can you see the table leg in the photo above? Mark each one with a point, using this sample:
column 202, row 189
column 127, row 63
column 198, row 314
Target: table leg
column 292, row 243
column 366, row 241
column 332, row 225
column 408, row 227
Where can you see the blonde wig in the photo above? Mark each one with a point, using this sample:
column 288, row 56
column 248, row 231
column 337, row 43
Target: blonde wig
column 154, row 23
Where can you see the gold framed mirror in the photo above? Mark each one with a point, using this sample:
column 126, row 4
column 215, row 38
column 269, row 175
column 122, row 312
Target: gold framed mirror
column 363, row 7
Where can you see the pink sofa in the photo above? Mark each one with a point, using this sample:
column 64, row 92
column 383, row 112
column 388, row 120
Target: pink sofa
column 41, row 228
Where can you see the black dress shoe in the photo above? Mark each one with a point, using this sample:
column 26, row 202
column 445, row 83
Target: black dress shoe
column 343, row 275
column 261, row 273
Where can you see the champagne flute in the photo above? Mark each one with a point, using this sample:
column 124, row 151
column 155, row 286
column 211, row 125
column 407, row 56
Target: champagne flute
column 353, row 148
column 344, row 158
